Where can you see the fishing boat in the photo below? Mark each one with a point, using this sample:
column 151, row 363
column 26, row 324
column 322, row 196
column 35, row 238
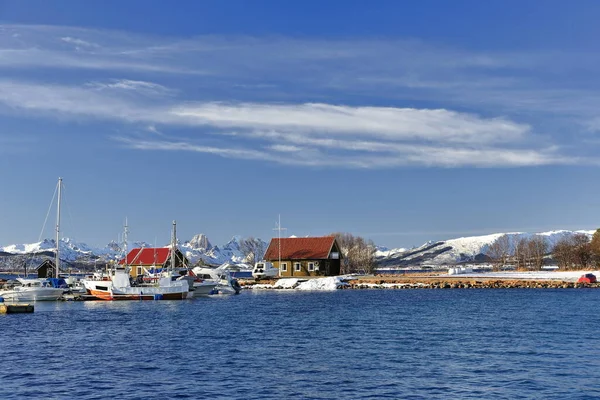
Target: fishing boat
column 118, row 284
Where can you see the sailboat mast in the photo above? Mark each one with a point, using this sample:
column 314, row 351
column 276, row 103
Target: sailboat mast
column 125, row 233
column 57, row 262
column 173, row 244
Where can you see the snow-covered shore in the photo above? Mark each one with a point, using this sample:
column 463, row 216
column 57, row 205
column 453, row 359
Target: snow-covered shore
column 328, row 283
column 567, row 276
column 396, row 282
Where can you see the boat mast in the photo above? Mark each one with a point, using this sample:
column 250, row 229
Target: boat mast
column 173, row 244
column 279, row 229
column 125, row 232
column 57, row 262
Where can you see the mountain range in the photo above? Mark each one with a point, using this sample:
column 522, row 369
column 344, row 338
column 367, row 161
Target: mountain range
column 199, row 249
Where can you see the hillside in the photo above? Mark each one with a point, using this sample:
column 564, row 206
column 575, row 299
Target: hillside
column 461, row 250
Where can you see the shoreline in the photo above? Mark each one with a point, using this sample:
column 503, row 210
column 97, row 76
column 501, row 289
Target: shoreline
column 432, row 281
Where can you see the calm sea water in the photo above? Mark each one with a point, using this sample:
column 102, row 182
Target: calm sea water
column 396, row 344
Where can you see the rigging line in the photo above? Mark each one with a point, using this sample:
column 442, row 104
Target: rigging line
column 48, row 213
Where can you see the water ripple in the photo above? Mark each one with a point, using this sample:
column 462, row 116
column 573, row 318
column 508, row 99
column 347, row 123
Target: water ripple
column 421, row 344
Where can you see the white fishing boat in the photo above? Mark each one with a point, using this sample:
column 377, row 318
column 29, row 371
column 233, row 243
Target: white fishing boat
column 118, row 284
column 224, row 282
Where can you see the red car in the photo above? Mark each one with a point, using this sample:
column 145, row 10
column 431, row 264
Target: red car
column 587, row 278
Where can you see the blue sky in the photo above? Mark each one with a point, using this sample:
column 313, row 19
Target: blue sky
column 398, row 121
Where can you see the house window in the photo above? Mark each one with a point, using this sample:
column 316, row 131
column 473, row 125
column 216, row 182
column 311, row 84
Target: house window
column 296, row 266
column 311, row 266
column 284, row 266
column 139, row 270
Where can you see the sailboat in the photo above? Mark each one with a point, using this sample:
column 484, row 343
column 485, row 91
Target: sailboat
column 118, row 285
column 39, row 289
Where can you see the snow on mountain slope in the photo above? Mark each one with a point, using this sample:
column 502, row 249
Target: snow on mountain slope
column 465, row 249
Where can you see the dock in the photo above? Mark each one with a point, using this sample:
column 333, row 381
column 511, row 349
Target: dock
column 15, row 308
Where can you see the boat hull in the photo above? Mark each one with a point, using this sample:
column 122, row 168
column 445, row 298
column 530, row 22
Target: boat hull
column 111, row 296
column 35, row 294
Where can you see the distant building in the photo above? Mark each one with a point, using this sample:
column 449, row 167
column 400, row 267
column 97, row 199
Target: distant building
column 151, row 259
column 307, row 256
column 46, row 269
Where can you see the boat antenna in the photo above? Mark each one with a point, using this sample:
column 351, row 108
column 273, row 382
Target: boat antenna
column 279, row 229
column 57, row 262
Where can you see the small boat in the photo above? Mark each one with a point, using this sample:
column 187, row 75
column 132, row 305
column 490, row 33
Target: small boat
column 32, row 290
column 587, row 278
column 199, row 287
column 224, row 282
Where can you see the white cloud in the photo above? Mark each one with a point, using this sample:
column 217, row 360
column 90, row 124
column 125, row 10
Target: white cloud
column 387, row 122
column 147, row 88
column 78, row 42
column 377, row 103
column 320, row 134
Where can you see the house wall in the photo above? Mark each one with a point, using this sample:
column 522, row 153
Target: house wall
column 304, row 265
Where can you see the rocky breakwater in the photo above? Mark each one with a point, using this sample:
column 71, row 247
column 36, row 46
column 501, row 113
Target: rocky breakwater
column 462, row 283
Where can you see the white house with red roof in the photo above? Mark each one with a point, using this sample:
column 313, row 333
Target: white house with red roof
column 306, row 256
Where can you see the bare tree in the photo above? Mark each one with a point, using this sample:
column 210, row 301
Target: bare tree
column 359, row 254
column 573, row 252
column 582, row 250
column 521, row 254
column 595, row 247
column 563, row 253
column 499, row 251
column 537, row 248
column 253, row 249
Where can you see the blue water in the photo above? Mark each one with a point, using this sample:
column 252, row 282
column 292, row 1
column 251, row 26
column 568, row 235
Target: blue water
column 349, row 344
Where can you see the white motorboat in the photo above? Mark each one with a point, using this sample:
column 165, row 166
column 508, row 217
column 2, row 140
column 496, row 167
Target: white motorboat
column 32, row 290
column 224, row 282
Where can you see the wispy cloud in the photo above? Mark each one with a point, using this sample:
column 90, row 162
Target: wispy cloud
column 368, row 103
column 78, row 42
column 322, row 134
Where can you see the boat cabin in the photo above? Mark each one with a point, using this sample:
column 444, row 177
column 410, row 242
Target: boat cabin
column 307, row 256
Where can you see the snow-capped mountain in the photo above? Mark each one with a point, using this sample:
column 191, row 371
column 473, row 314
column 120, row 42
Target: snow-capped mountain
column 199, row 249
column 460, row 250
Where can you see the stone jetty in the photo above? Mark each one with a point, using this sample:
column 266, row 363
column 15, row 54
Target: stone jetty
column 447, row 282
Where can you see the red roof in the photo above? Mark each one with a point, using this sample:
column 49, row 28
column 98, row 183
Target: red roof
column 307, row 248
column 148, row 256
